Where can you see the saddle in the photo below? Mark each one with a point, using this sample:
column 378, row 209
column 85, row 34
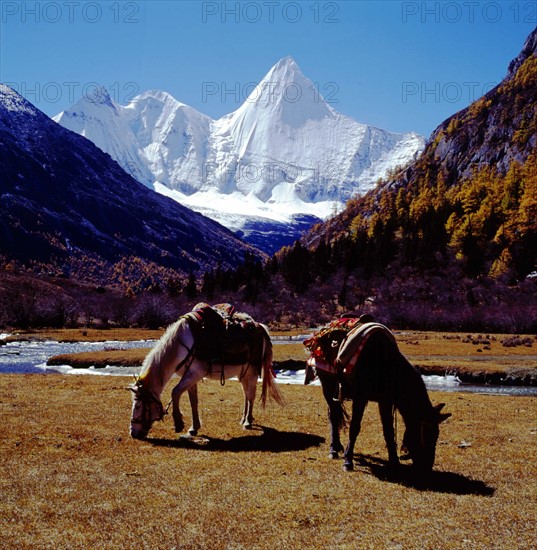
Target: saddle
column 326, row 345
column 351, row 348
column 226, row 337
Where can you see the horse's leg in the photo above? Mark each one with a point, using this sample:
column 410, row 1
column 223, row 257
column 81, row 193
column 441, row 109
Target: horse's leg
column 189, row 379
column 335, row 418
column 335, row 412
column 193, row 397
column 249, row 385
column 358, row 408
column 386, row 416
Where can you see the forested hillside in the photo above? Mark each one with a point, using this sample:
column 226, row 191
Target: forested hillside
column 471, row 197
column 450, row 240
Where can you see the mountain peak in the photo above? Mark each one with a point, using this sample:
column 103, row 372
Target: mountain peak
column 100, row 95
column 291, row 97
column 13, row 101
column 284, row 152
column 528, row 49
column 285, row 71
column 286, row 63
column 158, row 95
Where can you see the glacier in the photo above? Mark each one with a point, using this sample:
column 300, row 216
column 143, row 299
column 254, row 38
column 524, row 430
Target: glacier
column 285, row 158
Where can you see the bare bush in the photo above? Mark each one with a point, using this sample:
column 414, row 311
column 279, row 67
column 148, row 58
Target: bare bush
column 153, row 311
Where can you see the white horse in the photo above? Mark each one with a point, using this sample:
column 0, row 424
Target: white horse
column 175, row 353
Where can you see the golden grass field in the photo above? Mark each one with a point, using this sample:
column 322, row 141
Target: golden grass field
column 73, row 478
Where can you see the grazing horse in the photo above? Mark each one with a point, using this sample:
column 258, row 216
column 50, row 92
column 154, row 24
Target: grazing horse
column 370, row 367
column 182, row 350
column 384, row 375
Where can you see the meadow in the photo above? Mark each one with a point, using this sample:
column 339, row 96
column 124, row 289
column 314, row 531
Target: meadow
column 73, row 477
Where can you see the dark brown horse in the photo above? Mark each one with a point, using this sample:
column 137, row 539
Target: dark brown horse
column 373, row 369
column 384, row 375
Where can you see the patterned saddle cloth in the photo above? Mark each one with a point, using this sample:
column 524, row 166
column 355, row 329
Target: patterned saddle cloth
column 337, row 347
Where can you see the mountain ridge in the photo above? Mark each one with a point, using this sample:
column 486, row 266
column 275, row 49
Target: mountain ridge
column 285, row 149
column 471, row 194
column 64, row 201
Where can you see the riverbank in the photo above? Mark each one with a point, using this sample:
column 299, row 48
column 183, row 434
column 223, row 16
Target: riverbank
column 474, row 358
column 73, row 477
column 83, row 335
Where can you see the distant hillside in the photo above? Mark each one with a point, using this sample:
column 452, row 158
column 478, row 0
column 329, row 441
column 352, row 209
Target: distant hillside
column 68, row 208
column 470, row 199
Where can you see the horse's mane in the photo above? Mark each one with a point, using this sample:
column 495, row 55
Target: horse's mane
column 163, row 350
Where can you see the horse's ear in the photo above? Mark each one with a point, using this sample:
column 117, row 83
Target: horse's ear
column 439, row 407
column 443, row 416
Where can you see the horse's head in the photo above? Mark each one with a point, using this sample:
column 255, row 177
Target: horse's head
column 146, row 409
column 420, row 439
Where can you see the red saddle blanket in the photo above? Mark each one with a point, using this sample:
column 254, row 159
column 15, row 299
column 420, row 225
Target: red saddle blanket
column 324, row 344
column 338, row 346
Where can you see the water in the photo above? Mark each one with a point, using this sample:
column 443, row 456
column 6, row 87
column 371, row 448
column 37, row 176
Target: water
column 31, row 357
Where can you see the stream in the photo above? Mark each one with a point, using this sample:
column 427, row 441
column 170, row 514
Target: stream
column 31, row 357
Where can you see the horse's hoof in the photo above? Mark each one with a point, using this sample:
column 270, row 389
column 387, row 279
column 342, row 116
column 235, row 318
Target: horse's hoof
column 247, row 426
column 192, row 432
column 333, row 454
column 348, row 467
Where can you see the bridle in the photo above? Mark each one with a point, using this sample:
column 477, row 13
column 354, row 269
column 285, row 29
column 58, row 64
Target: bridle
column 146, row 396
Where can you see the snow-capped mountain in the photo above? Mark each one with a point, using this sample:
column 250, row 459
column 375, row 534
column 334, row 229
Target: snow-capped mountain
column 284, row 154
column 66, row 204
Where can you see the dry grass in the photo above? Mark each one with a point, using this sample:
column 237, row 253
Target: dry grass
column 73, row 478
column 86, row 334
column 100, row 359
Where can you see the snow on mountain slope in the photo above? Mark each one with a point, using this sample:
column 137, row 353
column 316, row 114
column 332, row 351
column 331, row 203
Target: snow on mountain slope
column 284, row 152
column 155, row 137
column 66, row 204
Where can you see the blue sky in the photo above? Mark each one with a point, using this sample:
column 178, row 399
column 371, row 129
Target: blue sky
column 401, row 66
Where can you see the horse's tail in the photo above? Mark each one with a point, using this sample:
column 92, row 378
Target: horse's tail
column 345, row 417
column 269, row 386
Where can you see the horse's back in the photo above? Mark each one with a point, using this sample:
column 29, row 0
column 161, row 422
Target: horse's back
column 380, row 369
